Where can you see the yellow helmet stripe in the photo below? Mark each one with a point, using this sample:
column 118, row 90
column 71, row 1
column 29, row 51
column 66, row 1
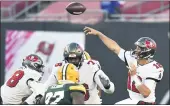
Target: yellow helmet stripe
column 64, row 72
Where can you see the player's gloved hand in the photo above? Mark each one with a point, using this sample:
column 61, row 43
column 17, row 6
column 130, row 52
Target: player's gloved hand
column 37, row 88
column 38, row 99
column 105, row 81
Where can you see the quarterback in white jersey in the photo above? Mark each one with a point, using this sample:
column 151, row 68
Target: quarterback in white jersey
column 149, row 74
column 144, row 72
column 91, row 75
column 22, row 82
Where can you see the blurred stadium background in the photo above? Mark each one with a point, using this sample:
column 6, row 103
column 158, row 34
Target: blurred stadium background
column 45, row 27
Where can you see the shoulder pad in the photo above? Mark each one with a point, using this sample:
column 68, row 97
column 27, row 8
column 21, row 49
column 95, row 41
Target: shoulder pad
column 97, row 63
column 93, row 64
column 77, row 88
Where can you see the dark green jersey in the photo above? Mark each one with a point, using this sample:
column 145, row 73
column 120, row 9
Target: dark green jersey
column 61, row 94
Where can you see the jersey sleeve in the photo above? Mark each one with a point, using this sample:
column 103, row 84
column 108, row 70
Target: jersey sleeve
column 127, row 57
column 156, row 76
column 121, row 55
column 77, row 88
column 98, row 64
column 95, row 65
column 150, row 84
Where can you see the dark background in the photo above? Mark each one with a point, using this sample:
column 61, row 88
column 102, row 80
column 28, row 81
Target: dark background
column 124, row 33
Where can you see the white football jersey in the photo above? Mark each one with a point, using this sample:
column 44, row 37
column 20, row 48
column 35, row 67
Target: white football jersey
column 87, row 72
column 149, row 74
column 16, row 88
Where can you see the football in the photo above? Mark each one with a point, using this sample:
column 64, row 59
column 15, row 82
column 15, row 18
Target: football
column 75, row 8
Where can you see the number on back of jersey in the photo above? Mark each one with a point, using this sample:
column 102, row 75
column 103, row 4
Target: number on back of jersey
column 54, row 98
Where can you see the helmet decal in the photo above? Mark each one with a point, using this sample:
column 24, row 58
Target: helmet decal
column 34, row 62
column 146, row 48
column 150, row 44
column 32, row 58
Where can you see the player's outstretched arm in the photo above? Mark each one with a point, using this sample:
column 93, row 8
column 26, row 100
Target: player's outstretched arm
column 111, row 44
column 103, row 82
column 78, row 98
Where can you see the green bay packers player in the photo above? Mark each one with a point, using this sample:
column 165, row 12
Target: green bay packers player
column 67, row 91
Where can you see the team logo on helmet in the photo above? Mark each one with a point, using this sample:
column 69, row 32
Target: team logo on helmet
column 150, row 44
column 32, row 58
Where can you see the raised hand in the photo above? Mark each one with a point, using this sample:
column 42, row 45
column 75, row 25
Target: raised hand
column 90, row 31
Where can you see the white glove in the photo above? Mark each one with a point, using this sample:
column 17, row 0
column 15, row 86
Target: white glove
column 37, row 88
